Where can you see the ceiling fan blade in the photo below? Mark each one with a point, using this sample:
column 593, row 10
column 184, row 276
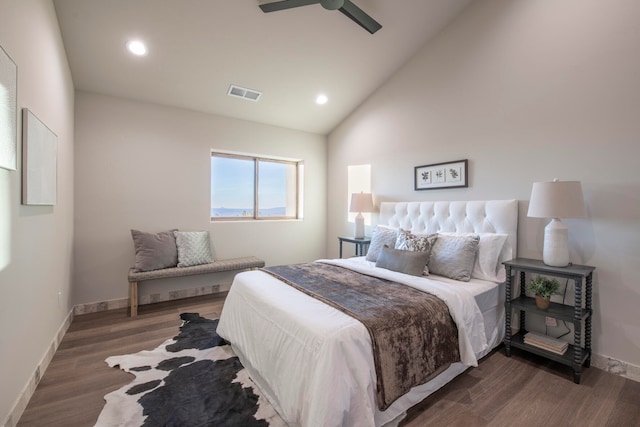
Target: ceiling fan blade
column 286, row 4
column 359, row 17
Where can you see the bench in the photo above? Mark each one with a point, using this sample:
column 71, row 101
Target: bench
column 246, row 263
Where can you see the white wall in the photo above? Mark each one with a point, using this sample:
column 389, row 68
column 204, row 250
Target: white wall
column 526, row 90
column 147, row 167
column 35, row 241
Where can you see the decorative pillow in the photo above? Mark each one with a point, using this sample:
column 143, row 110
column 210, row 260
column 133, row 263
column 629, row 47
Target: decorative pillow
column 154, row 250
column 490, row 248
column 382, row 235
column 407, row 262
column 416, row 242
column 453, row 256
column 193, row 248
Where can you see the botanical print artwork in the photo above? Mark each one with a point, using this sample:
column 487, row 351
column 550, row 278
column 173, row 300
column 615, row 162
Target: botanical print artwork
column 454, row 174
column 441, row 175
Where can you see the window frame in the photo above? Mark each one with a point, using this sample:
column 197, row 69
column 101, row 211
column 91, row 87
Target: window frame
column 256, row 183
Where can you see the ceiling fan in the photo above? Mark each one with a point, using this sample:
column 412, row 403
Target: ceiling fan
column 344, row 6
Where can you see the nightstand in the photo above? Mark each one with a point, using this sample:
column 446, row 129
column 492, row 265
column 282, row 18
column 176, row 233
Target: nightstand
column 576, row 356
column 362, row 244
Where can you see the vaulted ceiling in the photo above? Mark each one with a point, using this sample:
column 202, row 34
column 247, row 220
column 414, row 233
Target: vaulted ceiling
column 198, row 48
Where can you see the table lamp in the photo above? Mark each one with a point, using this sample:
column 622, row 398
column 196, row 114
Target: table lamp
column 361, row 202
column 556, row 199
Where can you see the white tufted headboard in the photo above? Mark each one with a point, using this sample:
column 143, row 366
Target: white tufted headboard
column 483, row 216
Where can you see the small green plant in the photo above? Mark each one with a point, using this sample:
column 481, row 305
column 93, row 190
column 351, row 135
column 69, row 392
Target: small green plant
column 544, row 287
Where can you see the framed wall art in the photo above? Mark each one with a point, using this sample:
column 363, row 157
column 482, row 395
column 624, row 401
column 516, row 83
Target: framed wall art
column 441, row 175
column 39, row 161
column 8, row 112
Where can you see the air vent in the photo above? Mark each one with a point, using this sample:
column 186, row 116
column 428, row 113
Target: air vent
column 243, row 92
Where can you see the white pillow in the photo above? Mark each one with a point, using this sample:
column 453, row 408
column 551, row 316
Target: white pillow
column 490, row 247
column 193, row 247
column 382, row 235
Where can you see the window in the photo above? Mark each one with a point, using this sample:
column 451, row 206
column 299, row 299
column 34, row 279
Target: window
column 249, row 187
column 358, row 181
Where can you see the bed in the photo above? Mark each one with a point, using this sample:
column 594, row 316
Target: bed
column 315, row 364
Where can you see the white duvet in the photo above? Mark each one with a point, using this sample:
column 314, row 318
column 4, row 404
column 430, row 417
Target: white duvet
column 313, row 362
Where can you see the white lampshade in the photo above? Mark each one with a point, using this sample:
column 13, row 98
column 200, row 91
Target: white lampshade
column 361, row 202
column 556, row 199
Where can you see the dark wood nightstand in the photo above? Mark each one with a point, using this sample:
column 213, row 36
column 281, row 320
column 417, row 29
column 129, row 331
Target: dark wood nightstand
column 576, row 356
column 362, row 244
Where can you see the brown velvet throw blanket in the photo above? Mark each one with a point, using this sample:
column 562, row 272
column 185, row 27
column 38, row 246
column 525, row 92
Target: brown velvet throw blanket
column 412, row 332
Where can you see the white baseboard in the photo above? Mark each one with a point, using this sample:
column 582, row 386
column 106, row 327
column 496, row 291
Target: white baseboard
column 21, row 403
column 95, row 307
column 616, row 367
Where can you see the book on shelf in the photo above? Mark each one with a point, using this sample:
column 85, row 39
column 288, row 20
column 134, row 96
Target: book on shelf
column 546, row 343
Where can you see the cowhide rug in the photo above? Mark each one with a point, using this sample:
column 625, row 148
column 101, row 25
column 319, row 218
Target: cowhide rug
column 194, row 379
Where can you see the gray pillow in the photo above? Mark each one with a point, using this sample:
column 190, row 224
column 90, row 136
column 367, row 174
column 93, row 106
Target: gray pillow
column 382, row 236
column 193, row 248
column 454, row 256
column 154, row 250
column 407, row 262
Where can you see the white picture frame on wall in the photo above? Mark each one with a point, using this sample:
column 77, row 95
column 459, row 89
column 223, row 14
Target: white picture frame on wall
column 39, row 161
column 8, row 112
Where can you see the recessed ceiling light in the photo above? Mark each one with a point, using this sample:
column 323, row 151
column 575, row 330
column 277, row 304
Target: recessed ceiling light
column 137, row 47
column 321, row 99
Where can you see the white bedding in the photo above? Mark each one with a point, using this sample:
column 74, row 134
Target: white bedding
column 315, row 364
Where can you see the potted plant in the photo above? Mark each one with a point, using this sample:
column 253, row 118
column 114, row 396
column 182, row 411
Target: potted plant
column 543, row 288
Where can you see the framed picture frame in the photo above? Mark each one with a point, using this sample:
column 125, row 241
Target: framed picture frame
column 441, row 175
column 39, row 161
column 8, row 112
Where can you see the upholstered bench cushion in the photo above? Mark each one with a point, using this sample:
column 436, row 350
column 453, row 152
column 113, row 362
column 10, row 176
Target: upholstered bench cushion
column 212, row 267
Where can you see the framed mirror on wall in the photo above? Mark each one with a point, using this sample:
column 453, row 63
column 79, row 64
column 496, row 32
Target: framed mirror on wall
column 39, row 161
column 8, row 112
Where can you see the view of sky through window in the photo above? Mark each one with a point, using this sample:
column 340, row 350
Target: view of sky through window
column 231, row 186
column 233, row 183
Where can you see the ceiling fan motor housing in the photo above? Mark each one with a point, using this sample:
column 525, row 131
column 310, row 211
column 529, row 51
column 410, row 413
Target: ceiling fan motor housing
column 332, row 4
column 347, row 7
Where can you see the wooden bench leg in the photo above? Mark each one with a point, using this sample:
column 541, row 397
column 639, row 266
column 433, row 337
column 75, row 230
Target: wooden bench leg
column 133, row 298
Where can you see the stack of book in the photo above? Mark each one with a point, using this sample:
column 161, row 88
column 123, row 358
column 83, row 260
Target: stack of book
column 546, row 343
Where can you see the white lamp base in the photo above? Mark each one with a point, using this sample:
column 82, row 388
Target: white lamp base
column 359, row 227
column 556, row 244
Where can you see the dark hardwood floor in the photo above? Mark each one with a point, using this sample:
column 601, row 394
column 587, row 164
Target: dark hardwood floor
column 523, row 390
